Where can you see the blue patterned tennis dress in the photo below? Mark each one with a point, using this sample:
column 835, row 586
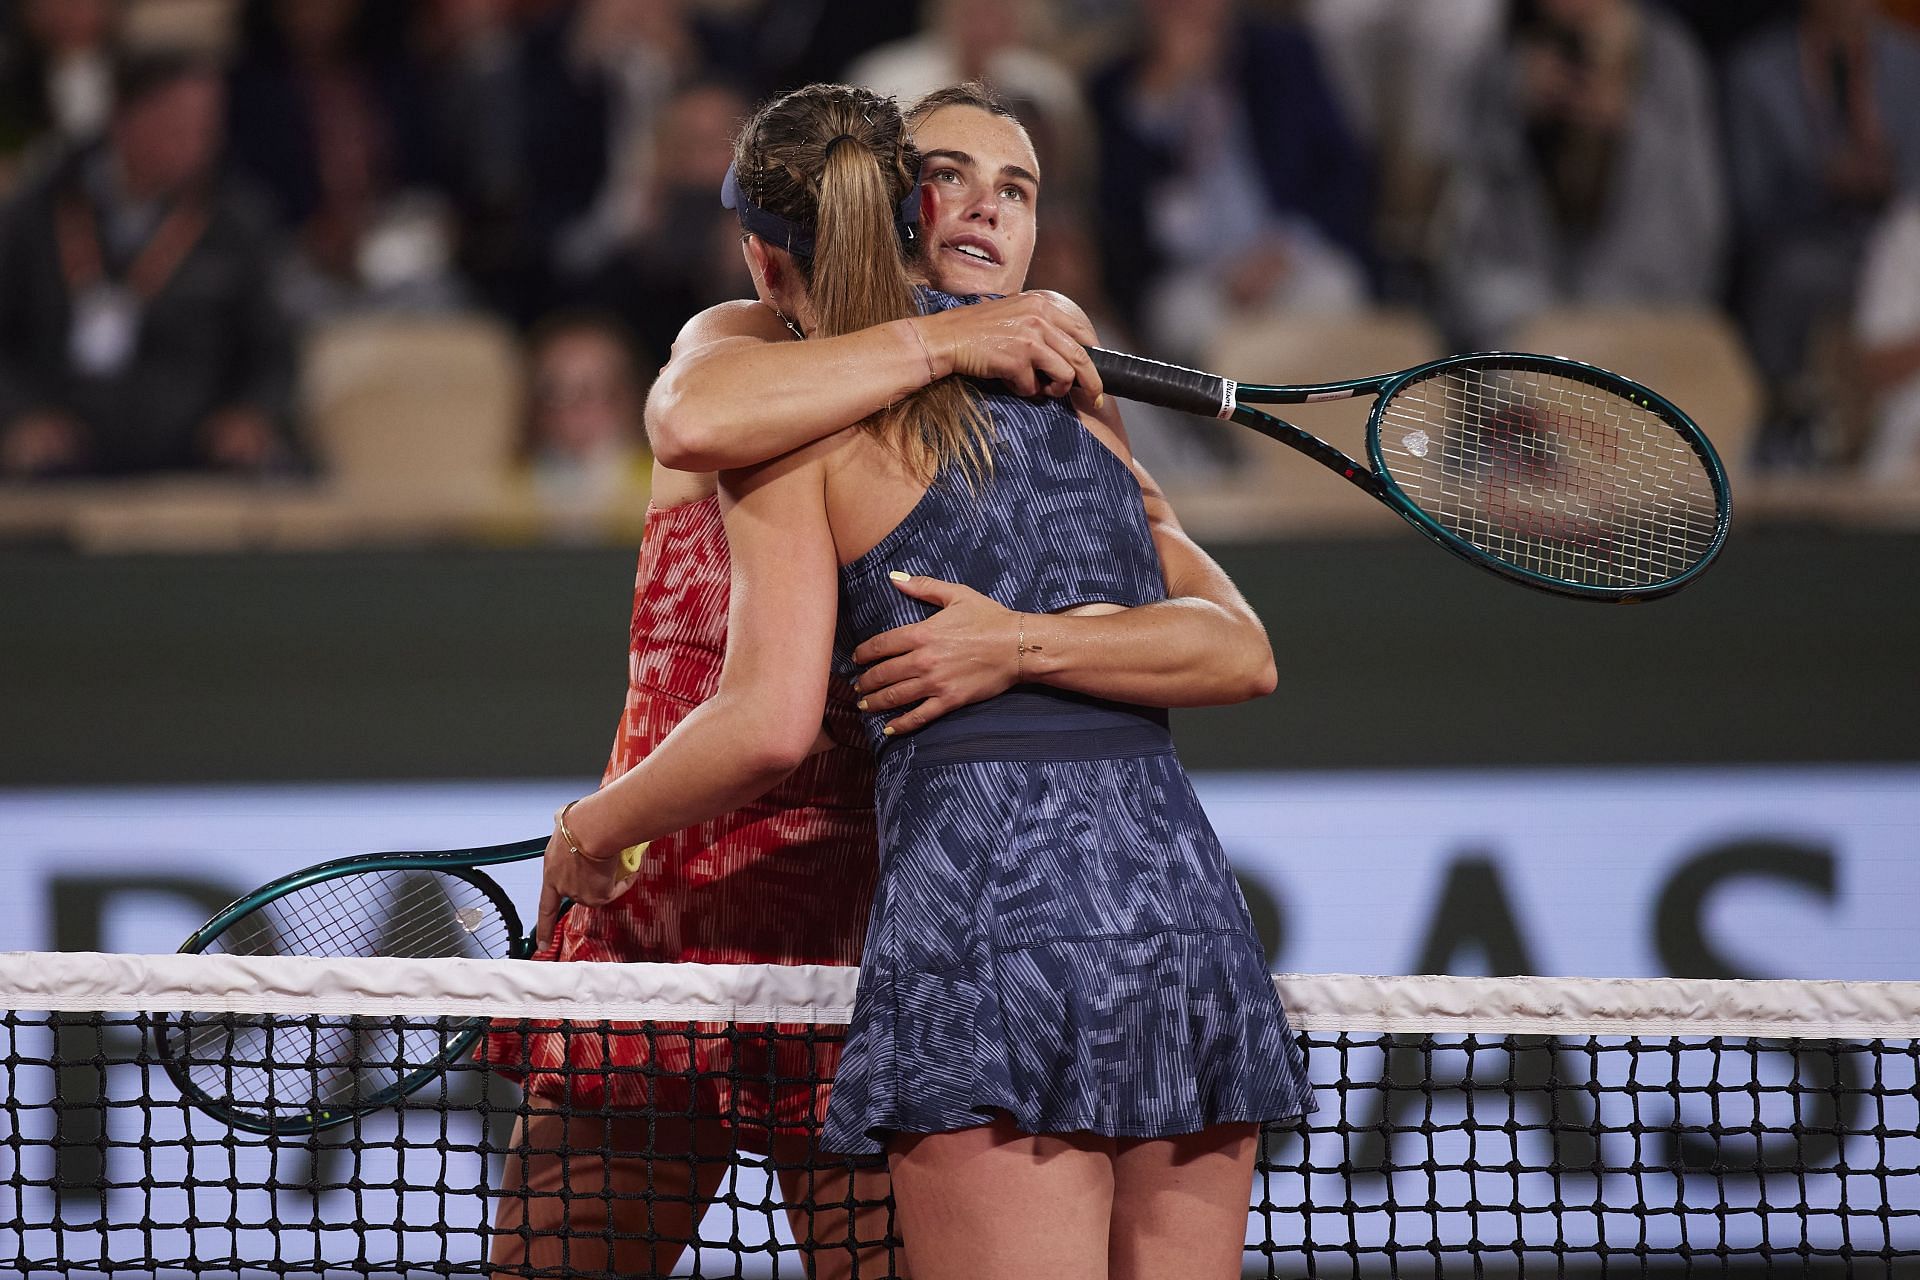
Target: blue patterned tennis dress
column 1056, row 933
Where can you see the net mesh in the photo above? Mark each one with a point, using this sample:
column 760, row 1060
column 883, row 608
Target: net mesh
column 1465, row 1127
column 1551, row 474
column 274, row 1074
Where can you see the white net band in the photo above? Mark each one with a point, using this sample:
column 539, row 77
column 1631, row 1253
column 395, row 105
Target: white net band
column 1438, row 1005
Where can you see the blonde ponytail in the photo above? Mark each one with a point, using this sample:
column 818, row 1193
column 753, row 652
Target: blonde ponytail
column 838, row 159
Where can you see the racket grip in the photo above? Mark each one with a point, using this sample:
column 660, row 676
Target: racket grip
column 1168, row 385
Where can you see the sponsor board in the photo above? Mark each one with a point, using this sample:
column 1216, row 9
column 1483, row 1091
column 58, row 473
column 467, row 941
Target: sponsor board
column 1761, row 872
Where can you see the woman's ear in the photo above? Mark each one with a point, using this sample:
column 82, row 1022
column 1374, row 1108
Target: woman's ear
column 777, row 277
column 763, row 266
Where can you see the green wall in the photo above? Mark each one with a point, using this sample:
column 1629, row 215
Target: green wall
column 1799, row 646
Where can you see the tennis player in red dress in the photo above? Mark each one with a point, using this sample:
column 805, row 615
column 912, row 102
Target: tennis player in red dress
column 785, row 879
column 788, row 878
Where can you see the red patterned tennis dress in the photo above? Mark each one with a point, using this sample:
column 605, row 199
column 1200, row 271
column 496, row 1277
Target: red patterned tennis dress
column 787, row 879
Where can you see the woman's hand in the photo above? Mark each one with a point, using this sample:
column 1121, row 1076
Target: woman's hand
column 966, row 653
column 1030, row 341
column 568, row 874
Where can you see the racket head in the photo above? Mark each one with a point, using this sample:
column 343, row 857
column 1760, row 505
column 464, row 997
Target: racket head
column 292, row 1074
column 283, row 1076
column 1553, row 473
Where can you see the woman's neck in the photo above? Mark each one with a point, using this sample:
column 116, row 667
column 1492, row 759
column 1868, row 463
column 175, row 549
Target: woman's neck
column 795, row 312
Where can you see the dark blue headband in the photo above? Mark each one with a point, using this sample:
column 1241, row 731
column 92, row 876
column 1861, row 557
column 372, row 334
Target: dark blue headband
column 796, row 239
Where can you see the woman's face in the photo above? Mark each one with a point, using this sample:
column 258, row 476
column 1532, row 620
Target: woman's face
column 979, row 185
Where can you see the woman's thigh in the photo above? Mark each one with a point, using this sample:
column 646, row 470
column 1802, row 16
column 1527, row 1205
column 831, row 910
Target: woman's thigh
column 618, row 1192
column 993, row 1203
column 1180, row 1204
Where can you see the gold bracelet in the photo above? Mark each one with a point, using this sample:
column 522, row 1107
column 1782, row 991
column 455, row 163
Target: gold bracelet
column 630, row 857
column 926, row 355
column 1020, row 651
column 560, row 821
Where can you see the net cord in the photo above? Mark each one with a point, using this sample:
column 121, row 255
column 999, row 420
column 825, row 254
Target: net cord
column 1438, row 1005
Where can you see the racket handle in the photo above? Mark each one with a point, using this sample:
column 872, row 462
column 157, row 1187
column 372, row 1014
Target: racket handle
column 1167, row 385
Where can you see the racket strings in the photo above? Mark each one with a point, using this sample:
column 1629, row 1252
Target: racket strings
column 258, row 1063
column 411, row 914
column 1551, row 474
column 1612, row 477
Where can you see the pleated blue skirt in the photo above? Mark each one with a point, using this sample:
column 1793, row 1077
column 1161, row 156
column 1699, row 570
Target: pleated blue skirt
column 1056, row 935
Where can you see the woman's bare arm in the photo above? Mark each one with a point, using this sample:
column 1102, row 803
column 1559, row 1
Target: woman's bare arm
column 766, row 714
column 738, row 391
column 1202, row 646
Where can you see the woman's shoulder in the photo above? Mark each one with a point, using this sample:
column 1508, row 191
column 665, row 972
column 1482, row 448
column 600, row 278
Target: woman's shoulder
column 744, row 318
column 828, row 456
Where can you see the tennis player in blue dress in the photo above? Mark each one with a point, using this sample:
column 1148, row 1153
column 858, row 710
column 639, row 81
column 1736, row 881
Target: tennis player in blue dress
column 1056, row 936
column 1065, row 1036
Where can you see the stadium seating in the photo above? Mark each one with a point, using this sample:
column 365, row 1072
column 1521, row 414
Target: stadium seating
column 1279, row 491
column 1693, row 358
column 417, row 414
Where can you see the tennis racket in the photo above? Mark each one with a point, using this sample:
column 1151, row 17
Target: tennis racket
column 264, row 1073
column 1553, row 473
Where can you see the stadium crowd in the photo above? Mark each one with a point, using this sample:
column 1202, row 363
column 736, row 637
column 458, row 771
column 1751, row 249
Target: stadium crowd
column 198, row 192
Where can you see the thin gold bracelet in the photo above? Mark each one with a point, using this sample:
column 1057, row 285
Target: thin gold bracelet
column 1020, row 652
column 560, row 821
column 925, row 354
column 630, row 857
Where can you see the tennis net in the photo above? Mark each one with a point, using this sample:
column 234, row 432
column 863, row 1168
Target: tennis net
column 1469, row 1127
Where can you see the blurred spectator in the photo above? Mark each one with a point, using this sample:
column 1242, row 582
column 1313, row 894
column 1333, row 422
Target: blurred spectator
column 56, row 75
column 1887, row 331
column 1405, row 74
column 567, row 113
column 475, row 80
column 1176, row 448
column 681, row 251
column 1823, row 121
column 1229, row 180
column 137, row 328
column 992, row 42
column 209, row 26
column 1721, row 27
column 788, row 43
column 326, row 115
column 1594, row 177
column 622, row 60
column 585, row 466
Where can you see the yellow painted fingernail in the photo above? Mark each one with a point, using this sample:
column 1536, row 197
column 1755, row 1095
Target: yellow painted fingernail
column 862, row 704
column 898, row 576
column 631, row 855
column 1100, row 400
column 887, row 732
